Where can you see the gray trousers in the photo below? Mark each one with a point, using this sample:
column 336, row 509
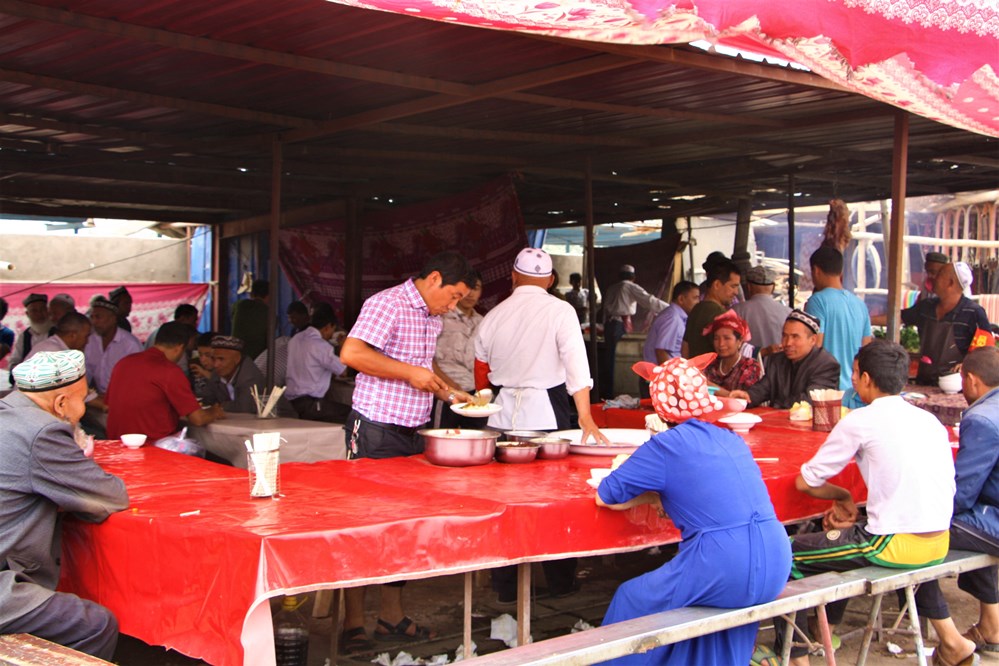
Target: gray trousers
column 68, row 620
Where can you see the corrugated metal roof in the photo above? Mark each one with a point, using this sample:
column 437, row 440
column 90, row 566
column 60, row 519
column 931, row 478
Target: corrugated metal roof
column 166, row 111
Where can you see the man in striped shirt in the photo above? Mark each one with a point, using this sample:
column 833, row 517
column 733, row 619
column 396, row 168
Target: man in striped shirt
column 392, row 347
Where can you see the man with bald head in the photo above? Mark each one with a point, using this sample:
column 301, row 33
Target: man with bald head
column 946, row 322
column 45, row 475
column 71, row 332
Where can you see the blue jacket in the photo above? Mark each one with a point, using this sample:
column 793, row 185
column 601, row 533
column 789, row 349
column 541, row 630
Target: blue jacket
column 976, row 502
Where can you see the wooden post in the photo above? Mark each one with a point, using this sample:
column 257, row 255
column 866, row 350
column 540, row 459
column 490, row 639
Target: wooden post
column 274, row 247
column 690, row 247
column 899, row 165
column 591, row 280
column 790, row 239
column 354, row 251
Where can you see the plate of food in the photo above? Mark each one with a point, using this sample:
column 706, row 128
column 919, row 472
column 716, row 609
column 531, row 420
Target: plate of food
column 622, row 440
column 475, row 411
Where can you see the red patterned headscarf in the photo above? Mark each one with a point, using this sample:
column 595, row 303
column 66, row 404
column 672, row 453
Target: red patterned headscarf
column 679, row 390
column 729, row 320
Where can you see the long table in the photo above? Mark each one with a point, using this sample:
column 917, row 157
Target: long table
column 304, row 441
column 191, row 564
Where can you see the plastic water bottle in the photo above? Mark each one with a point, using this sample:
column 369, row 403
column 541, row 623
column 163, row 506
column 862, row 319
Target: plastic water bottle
column 291, row 634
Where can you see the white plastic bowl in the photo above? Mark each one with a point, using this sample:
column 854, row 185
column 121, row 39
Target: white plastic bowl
column 133, row 441
column 950, row 384
column 741, row 422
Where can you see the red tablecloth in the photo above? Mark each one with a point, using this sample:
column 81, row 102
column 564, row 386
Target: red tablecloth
column 199, row 583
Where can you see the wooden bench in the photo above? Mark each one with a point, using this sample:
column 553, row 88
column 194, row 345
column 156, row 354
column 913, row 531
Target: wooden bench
column 28, row 650
column 652, row 631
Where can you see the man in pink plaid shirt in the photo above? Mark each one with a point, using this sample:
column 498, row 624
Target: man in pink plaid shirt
column 392, row 347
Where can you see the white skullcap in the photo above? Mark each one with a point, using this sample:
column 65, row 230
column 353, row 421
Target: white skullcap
column 965, row 277
column 533, row 262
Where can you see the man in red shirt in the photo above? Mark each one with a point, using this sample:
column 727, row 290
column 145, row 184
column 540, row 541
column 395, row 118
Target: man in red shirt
column 149, row 393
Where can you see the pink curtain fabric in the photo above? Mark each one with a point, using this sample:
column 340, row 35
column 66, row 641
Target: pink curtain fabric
column 152, row 304
column 935, row 58
column 485, row 225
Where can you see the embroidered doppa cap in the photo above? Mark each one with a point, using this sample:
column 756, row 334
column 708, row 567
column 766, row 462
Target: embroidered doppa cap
column 679, row 391
column 65, row 299
column 937, row 257
column 729, row 320
column 101, row 302
column 533, row 262
column 760, row 275
column 965, row 277
column 118, row 292
column 813, row 323
column 34, row 298
column 227, row 342
column 47, row 371
column 627, row 268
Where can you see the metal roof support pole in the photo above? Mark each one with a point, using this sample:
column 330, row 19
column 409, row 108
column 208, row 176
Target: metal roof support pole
column 896, row 241
column 354, row 256
column 740, row 251
column 591, row 278
column 274, row 247
column 790, row 239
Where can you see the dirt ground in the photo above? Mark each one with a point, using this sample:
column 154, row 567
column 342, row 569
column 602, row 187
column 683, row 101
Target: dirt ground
column 437, row 603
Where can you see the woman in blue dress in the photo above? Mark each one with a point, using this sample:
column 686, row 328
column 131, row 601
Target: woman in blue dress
column 734, row 552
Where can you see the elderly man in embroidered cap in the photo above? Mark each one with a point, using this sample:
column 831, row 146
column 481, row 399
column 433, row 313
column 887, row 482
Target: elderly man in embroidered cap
column 122, row 299
column 621, row 304
column 37, row 309
column 59, row 306
column 149, row 393
column 735, row 553
column 530, row 348
column 45, row 475
column 799, row 367
column 233, row 378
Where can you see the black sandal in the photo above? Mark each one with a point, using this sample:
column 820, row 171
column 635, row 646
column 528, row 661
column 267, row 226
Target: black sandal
column 355, row 640
column 400, row 632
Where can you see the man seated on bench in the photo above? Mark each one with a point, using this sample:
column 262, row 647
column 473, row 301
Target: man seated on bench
column 734, row 551
column 44, row 476
column 904, row 456
column 975, row 525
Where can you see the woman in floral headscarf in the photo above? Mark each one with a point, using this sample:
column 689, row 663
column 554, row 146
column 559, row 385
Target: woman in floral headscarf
column 731, row 371
column 734, row 553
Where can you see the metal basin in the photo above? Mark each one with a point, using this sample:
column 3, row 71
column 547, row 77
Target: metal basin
column 522, row 435
column 552, row 448
column 459, row 448
column 516, row 452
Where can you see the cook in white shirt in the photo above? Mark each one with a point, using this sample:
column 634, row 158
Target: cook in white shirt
column 531, row 347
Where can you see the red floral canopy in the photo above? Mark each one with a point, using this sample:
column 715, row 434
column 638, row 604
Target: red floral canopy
column 935, row 58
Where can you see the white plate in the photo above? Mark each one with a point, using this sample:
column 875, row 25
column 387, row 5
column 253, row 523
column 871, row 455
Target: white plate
column 476, row 412
column 623, row 440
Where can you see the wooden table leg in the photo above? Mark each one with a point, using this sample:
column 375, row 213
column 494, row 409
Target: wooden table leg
column 524, row 603
column 337, row 613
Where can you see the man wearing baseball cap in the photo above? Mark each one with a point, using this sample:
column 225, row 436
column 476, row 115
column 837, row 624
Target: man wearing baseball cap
column 44, row 474
column 764, row 314
column 530, row 349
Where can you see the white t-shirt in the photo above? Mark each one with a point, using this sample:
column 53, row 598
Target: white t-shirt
column 532, row 342
column 905, row 457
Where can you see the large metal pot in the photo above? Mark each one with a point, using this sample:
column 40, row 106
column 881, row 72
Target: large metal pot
column 459, row 448
column 522, row 435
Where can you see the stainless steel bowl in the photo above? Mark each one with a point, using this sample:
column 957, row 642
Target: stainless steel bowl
column 516, row 452
column 459, row 448
column 552, row 448
column 522, row 435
